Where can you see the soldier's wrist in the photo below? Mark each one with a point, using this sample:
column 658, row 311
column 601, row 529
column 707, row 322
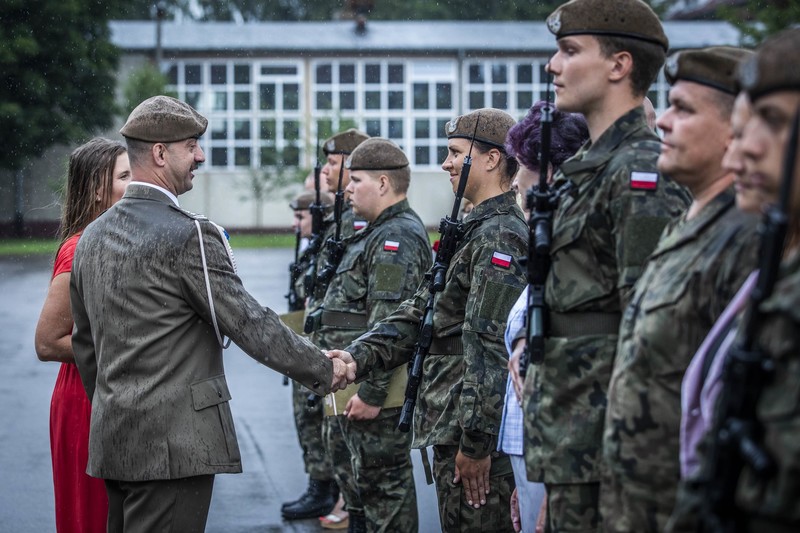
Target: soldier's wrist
column 476, row 444
column 371, row 395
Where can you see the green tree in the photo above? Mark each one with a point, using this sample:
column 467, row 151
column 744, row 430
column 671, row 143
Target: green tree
column 144, row 82
column 757, row 19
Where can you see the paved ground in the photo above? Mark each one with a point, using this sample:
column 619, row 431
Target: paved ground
column 248, row 502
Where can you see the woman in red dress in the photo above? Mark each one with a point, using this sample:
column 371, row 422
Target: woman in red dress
column 98, row 173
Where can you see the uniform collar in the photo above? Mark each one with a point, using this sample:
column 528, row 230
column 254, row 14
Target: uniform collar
column 137, row 191
column 391, row 211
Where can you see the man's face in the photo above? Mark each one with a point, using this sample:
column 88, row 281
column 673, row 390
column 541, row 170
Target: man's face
column 579, row 72
column 365, row 192
column 764, row 143
column 330, row 172
column 183, row 158
column 302, row 221
column 696, row 135
column 748, row 197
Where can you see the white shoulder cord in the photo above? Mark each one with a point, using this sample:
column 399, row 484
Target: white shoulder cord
column 220, row 337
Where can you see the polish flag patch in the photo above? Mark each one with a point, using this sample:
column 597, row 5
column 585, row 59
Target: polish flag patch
column 359, row 224
column 501, row 259
column 644, row 180
column 391, row 246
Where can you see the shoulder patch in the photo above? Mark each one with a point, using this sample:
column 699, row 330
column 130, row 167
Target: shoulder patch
column 359, row 224
column 391, row 246
column 500, row 259
column 193, row 216
column 644, row 180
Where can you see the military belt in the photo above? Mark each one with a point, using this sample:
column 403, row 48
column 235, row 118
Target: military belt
column 582, row 324
column 447, row 346
column 340, row 319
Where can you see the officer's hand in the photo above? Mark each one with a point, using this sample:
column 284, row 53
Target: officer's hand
column 541, row 520
column 474, row 475
column 516, row 522
column 358, row 409
column 513, row 368
column 344, row 371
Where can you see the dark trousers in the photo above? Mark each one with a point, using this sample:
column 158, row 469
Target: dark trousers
column 179, row 505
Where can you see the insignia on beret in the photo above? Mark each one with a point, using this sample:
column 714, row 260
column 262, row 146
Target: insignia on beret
column 348, row 163
column 671, row 66
column 554, row 22
column 748, row 75
column 452, row 125
column 331, row 146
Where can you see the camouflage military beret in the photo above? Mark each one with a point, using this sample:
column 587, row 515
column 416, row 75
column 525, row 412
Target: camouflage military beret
column 164, row 119
column 344, row 142
column 493, row 126
column 715, row 67
column 306, row 198
column 622, row 18
column 376, row 154
column 772, row 68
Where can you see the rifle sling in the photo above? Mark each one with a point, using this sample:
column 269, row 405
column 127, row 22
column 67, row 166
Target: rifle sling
column 446, row 346
column 582, row 324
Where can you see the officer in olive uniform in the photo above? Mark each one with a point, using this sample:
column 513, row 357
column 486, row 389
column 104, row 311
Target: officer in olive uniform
column 381, row 267
column 154, row 292
column 699, row 264
column 608, row 55
column 322, row 493
column 769, row 501
column 460, row 399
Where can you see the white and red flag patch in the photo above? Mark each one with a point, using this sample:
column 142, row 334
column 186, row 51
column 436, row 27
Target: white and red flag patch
column 500, row 259
column 391, row 246
column 359, row 224
column 644, row 180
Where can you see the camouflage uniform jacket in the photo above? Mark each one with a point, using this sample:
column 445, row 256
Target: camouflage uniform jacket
column 381, row 267
column 460, row 399
column 697, row 267
column 603, row 232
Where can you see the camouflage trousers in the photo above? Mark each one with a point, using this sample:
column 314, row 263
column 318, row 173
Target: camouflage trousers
column 384, row 474
column 454, row 512
column 628, row 504
column 337, row 450
column 572, row 507
column 308, row 421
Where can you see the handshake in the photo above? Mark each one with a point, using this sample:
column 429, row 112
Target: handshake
column 344, row 369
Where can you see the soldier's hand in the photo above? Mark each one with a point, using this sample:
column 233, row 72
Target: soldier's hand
column 513, row 368
column 358, row 409
column 473, row 474
column 344, row 369
column 541, row 520
column 516, row 521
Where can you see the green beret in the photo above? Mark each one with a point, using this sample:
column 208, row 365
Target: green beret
column 344, row 142
column 621, row 18
column 164, row 119
column 715, row 67
column 773, row 67
column 306, row 198
column 493, row 126
column 377, row 153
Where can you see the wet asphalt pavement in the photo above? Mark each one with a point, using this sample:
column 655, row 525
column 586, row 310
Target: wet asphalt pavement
column 242, row 503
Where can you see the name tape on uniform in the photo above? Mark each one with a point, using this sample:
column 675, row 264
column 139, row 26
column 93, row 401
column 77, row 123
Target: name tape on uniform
column 644, row 180
column 500, row 259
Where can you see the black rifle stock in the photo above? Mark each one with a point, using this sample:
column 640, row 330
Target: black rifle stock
column 317, row 211
column 295, row 270
column 335, row 244
column 746, row 371
column 450, row 233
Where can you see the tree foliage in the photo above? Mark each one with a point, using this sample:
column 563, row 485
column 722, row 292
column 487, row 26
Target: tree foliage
column 58, row 68
column 144, row 82
column 757, row 19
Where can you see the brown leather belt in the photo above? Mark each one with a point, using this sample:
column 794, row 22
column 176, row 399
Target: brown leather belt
column 339, row 319
column 582, row 324
column 447, row 346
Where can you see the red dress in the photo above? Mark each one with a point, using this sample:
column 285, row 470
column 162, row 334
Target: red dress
column 81, row 501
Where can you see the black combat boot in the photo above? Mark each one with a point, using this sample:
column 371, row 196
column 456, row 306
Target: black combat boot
column 318, row 500
column 358, row 522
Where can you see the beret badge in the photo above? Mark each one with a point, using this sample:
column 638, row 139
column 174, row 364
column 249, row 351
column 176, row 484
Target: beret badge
column 331, row 146
column 671, row 66
column 452, row 125
column 554, row 22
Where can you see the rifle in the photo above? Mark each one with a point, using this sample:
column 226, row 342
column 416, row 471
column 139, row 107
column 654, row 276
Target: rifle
column 451, row 230
column 335, row 244
column 295, row 269
column 747, row 369
column 317, row 211
column 542, row 201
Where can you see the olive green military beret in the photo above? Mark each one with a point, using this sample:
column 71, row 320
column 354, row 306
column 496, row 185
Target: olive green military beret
column 622, row 18
column 715, row 67
column 306, row 198
column 164, row 119
column 493, row 126
column 377, row 153
column 344, row 142
column 773, row 67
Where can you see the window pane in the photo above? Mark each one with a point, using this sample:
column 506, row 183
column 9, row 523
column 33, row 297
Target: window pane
column 422, row 155
column 396, row 100
column 241, row 100
column 347, row 100
column 269, row 157
column 220, row 101
column 267, row 99
column 396, row 128
column 524, row 74
column 241, row 129
column 219, row 129
column 192, row 75
column 440, row 125
column 278, row 70
column 421, row 96
column 372, row 100
column 172, row 75
column 268, row 130
column 347, row 73
column 241, row 157
column 543, row 75
column 324, row 129
column 422, row 129
column 500, row 99
column 324, row 100
column 372, row 73
column 291, row 96
column 476, row 100
column 219, row 157
column 219, row 74
column 347, row 123
column 444, row 97
column 499, row 73
column 441, row 154
column 395, row 73
column 291, row 130
column 373, row 128
column 291, row 156
column 324, row 73
column 476, row 73
column 241, row 74
column 193, row 99
column 524, row 99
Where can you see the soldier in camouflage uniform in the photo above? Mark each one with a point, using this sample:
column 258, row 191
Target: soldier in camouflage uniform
column 697, row 267
column 768, row 502
column 321, row 494
column 603, row 230
column 381, row 267
column 461, row 395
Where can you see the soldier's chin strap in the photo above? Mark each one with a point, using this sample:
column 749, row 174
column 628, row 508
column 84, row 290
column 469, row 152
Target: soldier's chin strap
column 220, row 338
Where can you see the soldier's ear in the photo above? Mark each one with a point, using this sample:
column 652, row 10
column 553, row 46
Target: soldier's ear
column 159, row 152
column 385, row 183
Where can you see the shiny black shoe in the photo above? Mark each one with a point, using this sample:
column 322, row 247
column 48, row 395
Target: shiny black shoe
column 318, row 500
column 358, row 523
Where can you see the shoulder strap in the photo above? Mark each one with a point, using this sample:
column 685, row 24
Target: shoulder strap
column 220, row 337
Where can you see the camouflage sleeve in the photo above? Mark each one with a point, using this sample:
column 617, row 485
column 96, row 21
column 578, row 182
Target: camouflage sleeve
column 496, row 282
column 397, row 263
